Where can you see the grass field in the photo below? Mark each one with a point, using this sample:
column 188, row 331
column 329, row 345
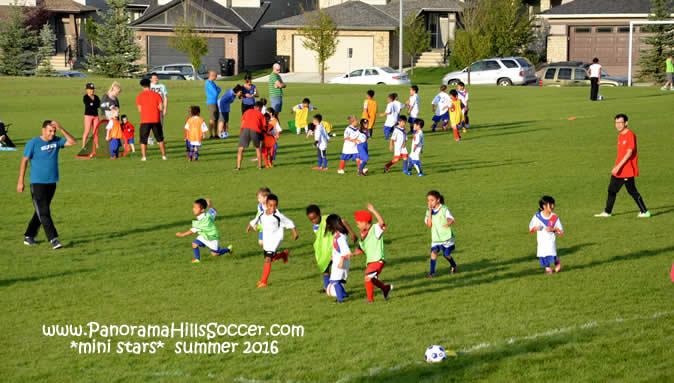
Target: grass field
column 607, row 316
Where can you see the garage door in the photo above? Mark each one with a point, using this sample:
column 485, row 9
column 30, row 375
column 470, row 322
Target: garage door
column 160, row 53
column 610, row 43
column 305, row 60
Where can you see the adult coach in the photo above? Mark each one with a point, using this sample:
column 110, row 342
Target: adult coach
column 252, row 123
column 150, row 107
column 276, row 86
column 159, row 88
column 669, row 73
column 625, row 169
column 212, row 93
column 43, row 154
column 594, row 73
column 224, row 106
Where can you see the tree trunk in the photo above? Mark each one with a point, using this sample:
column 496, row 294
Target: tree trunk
column 322, row 72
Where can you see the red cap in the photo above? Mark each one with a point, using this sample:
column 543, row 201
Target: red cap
column 363, row 216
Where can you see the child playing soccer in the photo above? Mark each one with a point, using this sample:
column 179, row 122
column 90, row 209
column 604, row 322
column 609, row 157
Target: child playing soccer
column 464, row 98
column 273, row 223
column 439, row 219
column 546, row 224
column 455, row 114
column 370, row 111
column 195, row 128
column 417, row 148
column 340, row 249
column 441, row 107
column 271, row 134
column 399, row 142
column 372, row 245
column 114, row 133
column 361, row 145
column 413, row 106
column 261, row 195
column 204, row 226
column 392, row 112
column 128, row 131
column 320, row 143
column 301, row 112
column 350, row 148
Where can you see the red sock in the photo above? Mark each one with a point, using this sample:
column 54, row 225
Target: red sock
column 379, row 284
column 342, row 163
column 265, row 272
column 370, row 291
column 358, row 164
column 388, row 166
column 456, row 133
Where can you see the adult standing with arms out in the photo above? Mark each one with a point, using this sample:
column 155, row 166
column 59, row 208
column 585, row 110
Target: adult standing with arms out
column 150, row 107
column 276, row 86
column 91, row 105
column 212, row 92
column 110, row 99
column 625, row 170
column 669, row 72
column 252, row 125
column 248, row 95
column 594, row 73
column 43, row 154
column 224, row 105
column 159, row 88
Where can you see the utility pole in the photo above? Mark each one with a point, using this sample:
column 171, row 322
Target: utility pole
column 400, row 40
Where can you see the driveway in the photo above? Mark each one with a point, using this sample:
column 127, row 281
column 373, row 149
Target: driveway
column 297, row 77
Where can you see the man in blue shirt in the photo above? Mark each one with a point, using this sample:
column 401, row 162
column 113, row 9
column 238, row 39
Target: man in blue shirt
column 212, row 92
column 43, row 154
column 224, row 104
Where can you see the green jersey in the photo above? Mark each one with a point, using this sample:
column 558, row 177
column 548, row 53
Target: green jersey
column 205, row 225
column 373, row 244
column 273, row 91
column 322, row 245
column 439, row 233
column 670, row 66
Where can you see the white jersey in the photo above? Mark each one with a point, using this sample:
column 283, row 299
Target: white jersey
column 340, row 248
column 463, row 97
column 349, row 146
column 161, row 89
column 547, row 241
column 399, row 139
column 413, row 106
column 321, row 137
column 417, row 145
column 392, row 113
column 441, row 102
column 272, row 228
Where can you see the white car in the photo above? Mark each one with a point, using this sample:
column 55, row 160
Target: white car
column 502, row 71
column 186, row 70
column 373, row 75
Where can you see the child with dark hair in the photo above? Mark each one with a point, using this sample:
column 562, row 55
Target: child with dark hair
column 417, row 148
column 546, row 224
column 439, row 219
column 128, row 132
column 195, row 131
column 271, row 134
column 301, row 112
column 464, row 98
column 363, row 149
column 320, row 143
column 455, row 113
column 440, row 107
column 392, row 113
column 340, row 249
column 370, row 111
column 204, row 226
column 413, row 106
column 398, row 145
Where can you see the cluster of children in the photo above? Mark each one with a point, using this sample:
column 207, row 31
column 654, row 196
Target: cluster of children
column 119, row 131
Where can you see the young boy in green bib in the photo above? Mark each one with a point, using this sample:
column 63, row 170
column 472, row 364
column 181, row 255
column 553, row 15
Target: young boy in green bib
column 204, row 226
column 439, row 219
column 372, row 245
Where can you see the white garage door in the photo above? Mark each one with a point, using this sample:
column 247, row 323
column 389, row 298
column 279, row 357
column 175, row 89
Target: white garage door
column 305, row 60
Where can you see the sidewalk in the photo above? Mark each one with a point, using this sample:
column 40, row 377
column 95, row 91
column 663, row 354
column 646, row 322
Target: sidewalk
column 291, row 77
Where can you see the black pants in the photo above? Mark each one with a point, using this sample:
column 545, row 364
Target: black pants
column 42, row 196
column 594, row 88
column 8, row 142
column 614, row 187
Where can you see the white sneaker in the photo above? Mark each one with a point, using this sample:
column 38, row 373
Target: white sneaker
column 340, row 171
column 164, row 158
column 143, row 159
column 603, row 214
column 644, row 215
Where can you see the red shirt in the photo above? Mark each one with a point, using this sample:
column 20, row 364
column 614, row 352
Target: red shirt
column 627, row 140
column 128, row 130
column 253, row 120
column 149, row 107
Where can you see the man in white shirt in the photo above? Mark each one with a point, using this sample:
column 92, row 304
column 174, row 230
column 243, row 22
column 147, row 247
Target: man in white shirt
column 594, row 73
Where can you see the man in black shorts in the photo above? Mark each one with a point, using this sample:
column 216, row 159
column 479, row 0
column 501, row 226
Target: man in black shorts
column 252, row 126
column 150, row 104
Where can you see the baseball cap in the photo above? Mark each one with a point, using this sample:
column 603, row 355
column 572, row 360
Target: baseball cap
column 363, row 216
column 90, row 85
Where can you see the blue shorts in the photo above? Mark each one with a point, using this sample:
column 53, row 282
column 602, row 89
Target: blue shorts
column 349, row 157
column 547, row 261
column 410, row 120
column 444, row 117
column 440, row 249
column 130, row 141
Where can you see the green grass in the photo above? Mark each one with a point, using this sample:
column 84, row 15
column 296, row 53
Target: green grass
column 606, row 317
column 428, row 76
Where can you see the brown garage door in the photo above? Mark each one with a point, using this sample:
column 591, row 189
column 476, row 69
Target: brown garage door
column 610, row 43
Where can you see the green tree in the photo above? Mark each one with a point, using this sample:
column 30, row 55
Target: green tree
column 45, row 51
column 16, row 43
column 470, row 44
column 186, row 40
column 117, row 43
column 92, row 33
column 652, row 60
column 320, row 36
column 416, row 38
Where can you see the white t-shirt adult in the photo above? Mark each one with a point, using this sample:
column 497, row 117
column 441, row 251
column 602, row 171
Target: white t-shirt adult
column 413, row 103
column 441, row 102
column 547, row 241
column 399, row 139
column 595, row 70
column 350, row 147
column 392, row 113
column 340, row 248
column 273, row 226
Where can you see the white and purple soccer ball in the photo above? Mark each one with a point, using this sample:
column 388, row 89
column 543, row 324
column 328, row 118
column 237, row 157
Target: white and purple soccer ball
column 435, row 354
column 600, row 97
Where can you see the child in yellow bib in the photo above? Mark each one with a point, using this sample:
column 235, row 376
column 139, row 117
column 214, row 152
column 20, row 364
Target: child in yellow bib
column 301, row 112
column 195, row 130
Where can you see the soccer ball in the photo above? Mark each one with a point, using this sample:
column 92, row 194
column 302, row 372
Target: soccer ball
column 224, row 135
column 600, row 97
column 331, row 290
column 365, row 170
column 435, row 354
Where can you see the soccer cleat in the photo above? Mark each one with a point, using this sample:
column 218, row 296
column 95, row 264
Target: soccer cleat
column 284, row 255
column 454, row 269
column 385, row 169
column 429, row 275
column 316, row 168
column 29, row 241
column 407, row 172
column 558, row 267
column 194, row 260
column 231, row 249
column 55, row 244
column 548, row 270
column 647, row 214
column 340, row 171
column 463, row 130
column 387, row 292
column 420, row 175
column 261, row 284
column 603, row 214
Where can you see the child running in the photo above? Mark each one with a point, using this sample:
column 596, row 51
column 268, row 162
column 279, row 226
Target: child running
column 301, row 112
column 370, row 111
column 361, row 145
column 339, row 271
column 350, row 147
column 441, row 107
column 413, row 106
column 273, row 224
column 195, row 129
column 455, row 114
column 399, row 142
column 372, row 245
column 464, row 98
column 439, row 219
column 546, row 224
column 128, row 132
column 392, row 112
column 417, row 148
column 320, row 143
column 204, row 226
column 113, row 133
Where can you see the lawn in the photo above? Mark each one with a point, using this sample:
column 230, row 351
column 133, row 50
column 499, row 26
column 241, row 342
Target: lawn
column 607, row 316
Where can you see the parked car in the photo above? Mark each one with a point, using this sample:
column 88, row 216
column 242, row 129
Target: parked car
column 502, row 71
column 186, row 70
column 373, row 75
column 70, row 73
column 166, row 76
column 575, row 76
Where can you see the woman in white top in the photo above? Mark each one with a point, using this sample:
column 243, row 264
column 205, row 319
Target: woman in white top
column 594, row 73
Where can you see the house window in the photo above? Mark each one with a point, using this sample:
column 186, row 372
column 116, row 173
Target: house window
column 550, row 74
column 605, row 30
column 564, row 74
column 582, row 30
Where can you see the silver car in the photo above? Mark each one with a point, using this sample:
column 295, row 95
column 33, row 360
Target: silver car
column 502, row 71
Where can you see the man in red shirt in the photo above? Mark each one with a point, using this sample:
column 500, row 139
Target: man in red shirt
column 150, row 105
column 625, row 169
column 252, row 124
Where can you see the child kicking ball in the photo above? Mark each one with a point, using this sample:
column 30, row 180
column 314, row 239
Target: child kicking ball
column 204, row 226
